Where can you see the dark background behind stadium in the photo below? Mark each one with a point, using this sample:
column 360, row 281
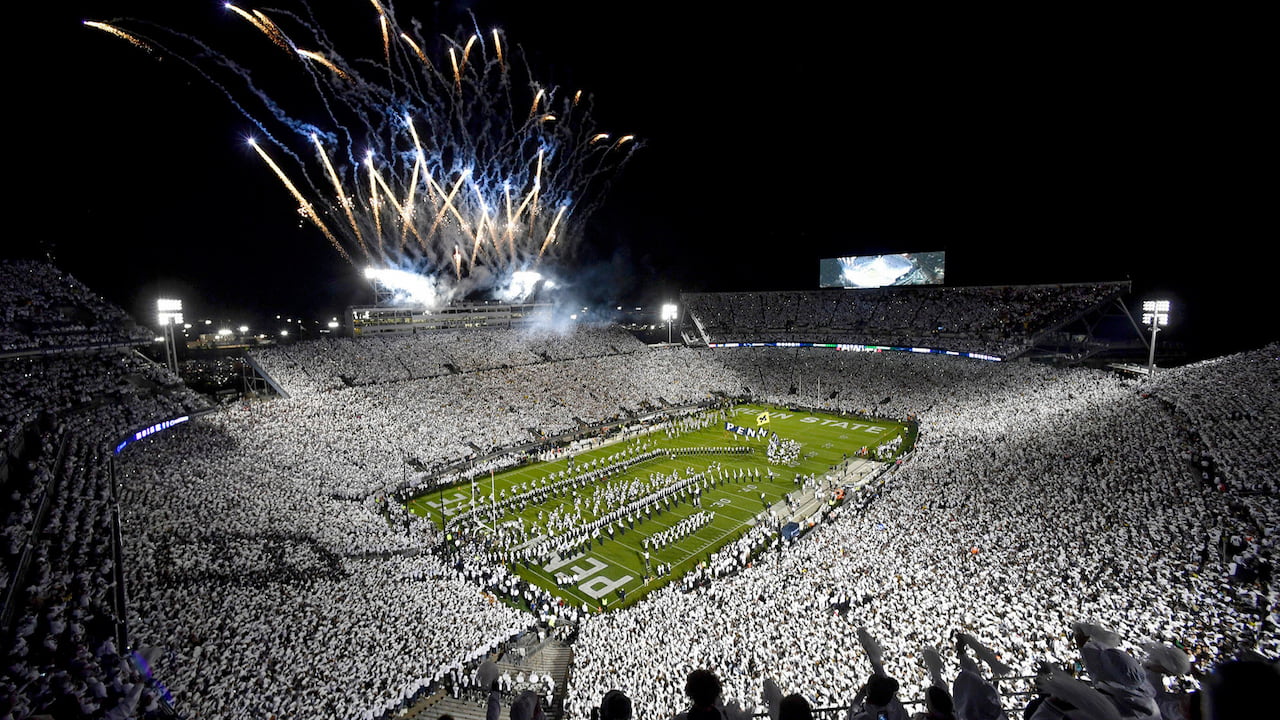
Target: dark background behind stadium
column 1032, row 145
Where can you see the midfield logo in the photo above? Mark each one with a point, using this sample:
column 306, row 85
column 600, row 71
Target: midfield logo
column 595, row 587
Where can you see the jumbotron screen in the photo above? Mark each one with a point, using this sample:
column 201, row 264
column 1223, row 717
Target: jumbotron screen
column 872, row 271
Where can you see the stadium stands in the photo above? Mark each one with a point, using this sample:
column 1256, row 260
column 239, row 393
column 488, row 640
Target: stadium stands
column 1035, row 498
column 267, row 575
column 47, row 309
column 333, row 363
column 997, row 321
column 71, row 388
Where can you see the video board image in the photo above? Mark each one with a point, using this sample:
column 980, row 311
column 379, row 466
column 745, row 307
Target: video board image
column 872, row 271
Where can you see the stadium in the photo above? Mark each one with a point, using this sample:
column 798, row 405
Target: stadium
column 417, row 525
column 487, row 478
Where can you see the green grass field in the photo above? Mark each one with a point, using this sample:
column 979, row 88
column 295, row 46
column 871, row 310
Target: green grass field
column 728, row 490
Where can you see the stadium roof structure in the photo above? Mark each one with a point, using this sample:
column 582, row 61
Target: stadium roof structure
column 1105, row 332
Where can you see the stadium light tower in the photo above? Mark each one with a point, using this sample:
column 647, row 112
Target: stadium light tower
column 169, row 314
column 669, row 314
column 383, row 295
column 1156, row 314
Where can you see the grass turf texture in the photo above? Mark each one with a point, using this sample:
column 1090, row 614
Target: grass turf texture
column 737, row 504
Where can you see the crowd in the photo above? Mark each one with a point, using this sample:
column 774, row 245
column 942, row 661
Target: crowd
column 998, row 321
column 1026, row 472
column 335, row 362
column 1035, row 497
column 264, row 577
column 44, row 308
column 371, row 431
column 1118, row 685
column 69, row 392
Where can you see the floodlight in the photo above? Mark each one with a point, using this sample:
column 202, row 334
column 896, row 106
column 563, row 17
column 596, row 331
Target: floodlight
column 169, row 311
column 669, row 313
column 168, row 314
column 1156, row 314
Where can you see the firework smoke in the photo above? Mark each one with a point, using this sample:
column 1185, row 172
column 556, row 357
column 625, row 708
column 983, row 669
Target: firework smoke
column 456, row 166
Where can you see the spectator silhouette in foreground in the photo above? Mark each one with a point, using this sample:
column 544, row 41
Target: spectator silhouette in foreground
column 1168, row 661
column 615, row 706
column 878, row 698
column 974, row 696
column 527, row 706
column 1063, row 697
column 1242, row 688
column 703, row 689
column 1115, row 673
column 795, row 707
column 792, row 707
column 937, row 699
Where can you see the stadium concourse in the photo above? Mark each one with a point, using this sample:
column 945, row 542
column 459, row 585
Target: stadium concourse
column 238, row 562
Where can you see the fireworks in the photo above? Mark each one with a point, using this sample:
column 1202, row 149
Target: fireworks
column 458, row 167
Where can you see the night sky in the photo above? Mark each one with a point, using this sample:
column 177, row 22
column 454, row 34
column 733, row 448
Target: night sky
column 1045, row 145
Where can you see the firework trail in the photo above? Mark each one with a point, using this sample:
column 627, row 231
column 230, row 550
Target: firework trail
column 460, row 167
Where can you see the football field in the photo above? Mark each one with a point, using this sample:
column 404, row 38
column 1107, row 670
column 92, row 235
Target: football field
column 605, row 526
